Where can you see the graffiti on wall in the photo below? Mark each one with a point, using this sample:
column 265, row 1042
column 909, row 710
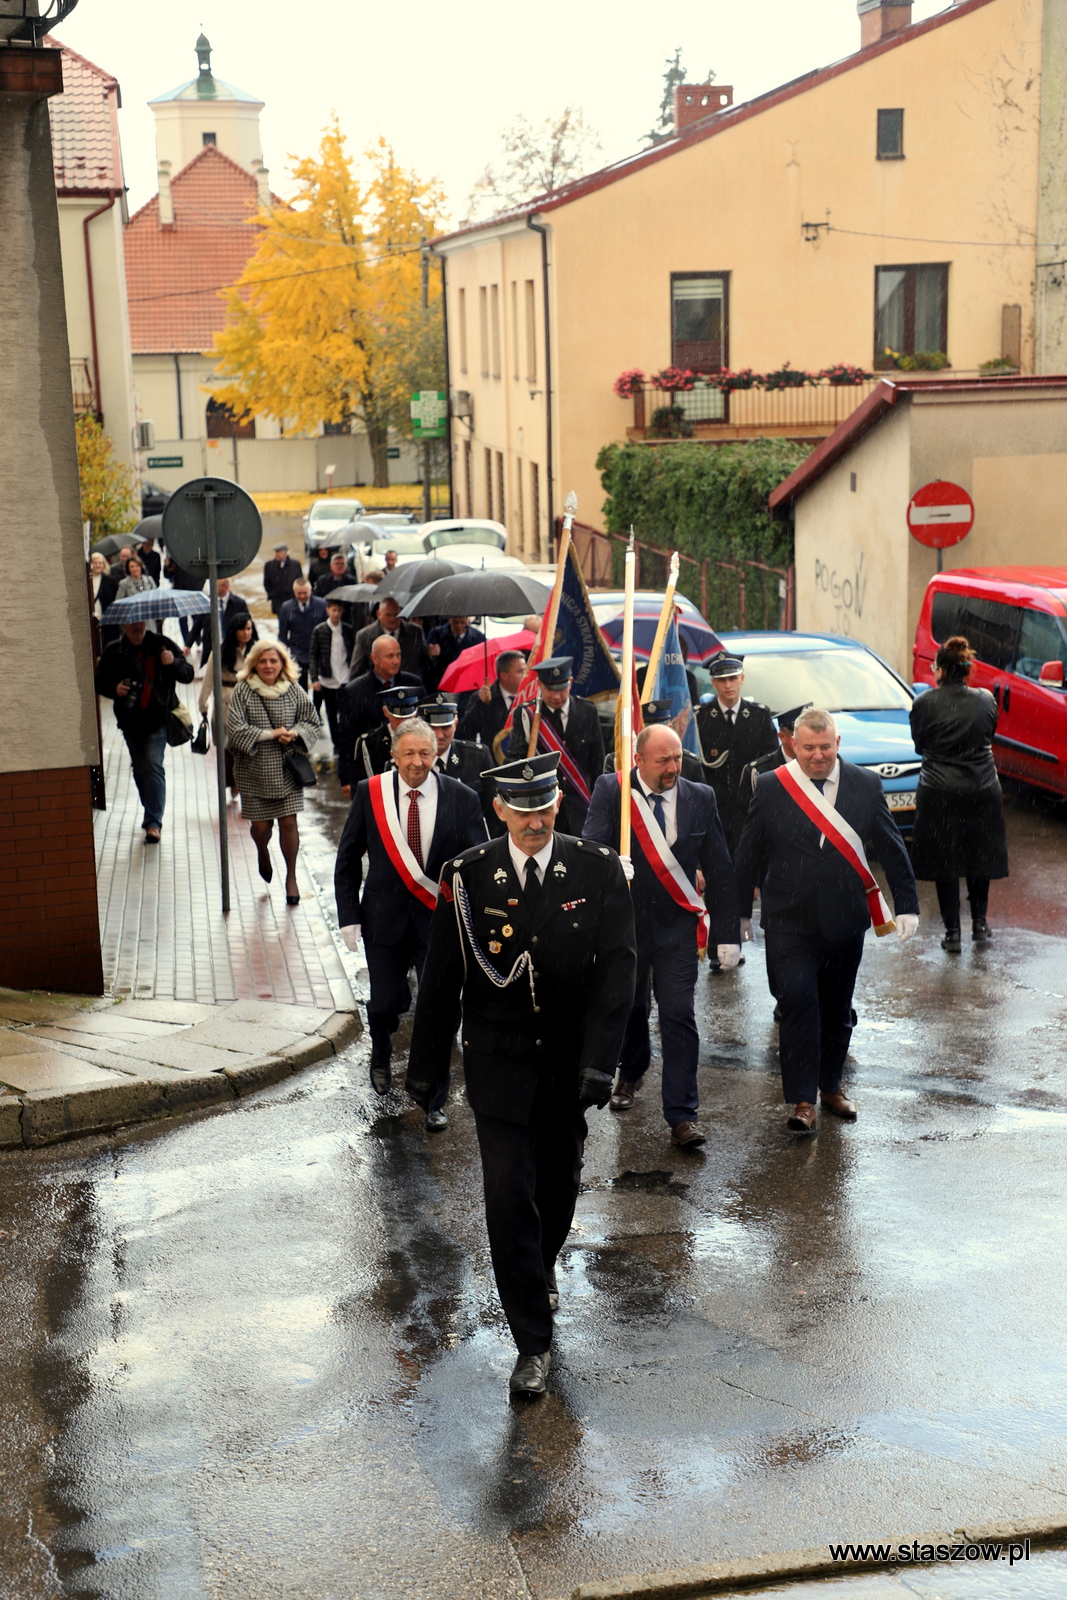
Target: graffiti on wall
column 845, row 590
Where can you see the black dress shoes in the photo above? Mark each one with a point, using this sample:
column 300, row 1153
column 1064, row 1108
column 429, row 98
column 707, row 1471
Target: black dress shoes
column 528, row 1377
column 980, row 930
column 381, row 1076
column 553, row 1289
column 622, row 1096
column 436, row 1120
column 951, row 942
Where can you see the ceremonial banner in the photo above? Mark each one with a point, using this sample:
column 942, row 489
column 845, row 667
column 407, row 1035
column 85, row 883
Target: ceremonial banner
column 673, row 685
column 833, row 827
column 383, row 804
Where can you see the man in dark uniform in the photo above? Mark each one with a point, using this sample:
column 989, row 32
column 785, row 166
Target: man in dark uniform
column 408, row 822
column 657, row 714
column 458, row 758
column 814, row 905
column 534, row 934
column 373, row 753
column 732, row 731
column 570, row 726
column 690, row 841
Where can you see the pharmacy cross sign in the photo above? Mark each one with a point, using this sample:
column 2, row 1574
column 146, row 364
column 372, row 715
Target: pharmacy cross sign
column 429, row 412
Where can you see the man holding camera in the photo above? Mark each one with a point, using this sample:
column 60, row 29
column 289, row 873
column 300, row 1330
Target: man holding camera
column 138, row 672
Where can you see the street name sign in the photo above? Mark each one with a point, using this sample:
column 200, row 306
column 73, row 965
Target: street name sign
column 940, row 514
column 429, row 413
column 165, row 461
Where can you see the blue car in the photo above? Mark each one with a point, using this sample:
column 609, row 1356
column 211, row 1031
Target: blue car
column 869, row 702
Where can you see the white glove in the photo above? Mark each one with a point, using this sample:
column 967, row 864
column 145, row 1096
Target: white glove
column 627, row 868
column 350, row 935
column 729, row 955
column 746, row 930
column 906, row 923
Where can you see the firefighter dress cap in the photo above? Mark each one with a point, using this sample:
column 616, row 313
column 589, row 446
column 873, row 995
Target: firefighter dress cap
column 788, row 719
column 725, row 666
column 528, row 784
column 656, row 712
column 439, row 712
column 555, row 673
column 401, row 699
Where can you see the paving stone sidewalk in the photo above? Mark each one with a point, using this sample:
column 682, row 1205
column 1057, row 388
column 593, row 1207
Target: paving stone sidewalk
column 200, row 1007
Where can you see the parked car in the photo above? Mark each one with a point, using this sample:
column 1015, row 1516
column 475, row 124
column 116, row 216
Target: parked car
column 153, row 498
column 326, row 517
column 472, row 541
column 1015, row 620
column 869, row 702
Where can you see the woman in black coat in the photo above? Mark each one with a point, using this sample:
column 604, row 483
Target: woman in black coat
column 959, row 812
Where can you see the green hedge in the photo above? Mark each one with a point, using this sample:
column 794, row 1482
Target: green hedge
column 703, row 500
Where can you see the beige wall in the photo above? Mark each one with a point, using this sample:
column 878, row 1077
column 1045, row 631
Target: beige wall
column 734, row 203
column 181, row 124
column 112, row 318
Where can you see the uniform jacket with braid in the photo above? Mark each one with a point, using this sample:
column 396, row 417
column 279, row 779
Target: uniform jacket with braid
column 259, row 764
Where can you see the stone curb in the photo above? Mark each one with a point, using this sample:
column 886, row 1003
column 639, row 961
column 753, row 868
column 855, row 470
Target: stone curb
column 51, row 1116
column 719, row 1576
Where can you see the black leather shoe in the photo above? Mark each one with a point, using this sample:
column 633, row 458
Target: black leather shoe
column 381, row 1076
column 553, row 1289
column 623, row 1095
column 980, row 930
column 528, row 1377
column 952, row 942
column 436, row 1120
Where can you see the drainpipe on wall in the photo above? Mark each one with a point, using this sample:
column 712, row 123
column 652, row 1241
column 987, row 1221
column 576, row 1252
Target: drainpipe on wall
column 178, row 386
column 114, row 193
column 448, row 383
column 549, row 499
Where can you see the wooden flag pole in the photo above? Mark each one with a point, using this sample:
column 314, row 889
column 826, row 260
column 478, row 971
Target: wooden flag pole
column 548, row 633
column 665, row 616
column 626, row 690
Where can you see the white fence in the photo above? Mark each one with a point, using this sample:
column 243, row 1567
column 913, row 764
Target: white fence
column 263, row 465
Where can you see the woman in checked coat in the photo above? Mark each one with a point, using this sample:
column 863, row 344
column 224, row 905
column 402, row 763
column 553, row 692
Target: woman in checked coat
column 270, row 713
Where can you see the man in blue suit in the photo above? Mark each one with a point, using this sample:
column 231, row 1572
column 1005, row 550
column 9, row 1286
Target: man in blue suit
column 814, row 906
column 408, row 822
column 688, row 837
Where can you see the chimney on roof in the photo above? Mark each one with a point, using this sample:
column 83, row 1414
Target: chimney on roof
column 695, row 102
column 262, row 177
column 880, row 18
column 166, row 202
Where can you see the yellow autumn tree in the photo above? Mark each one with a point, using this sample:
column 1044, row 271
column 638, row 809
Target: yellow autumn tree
column 109, row 499
column 335, row 316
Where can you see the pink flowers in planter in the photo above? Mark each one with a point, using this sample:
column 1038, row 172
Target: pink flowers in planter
column 629, row 383
column 674, row 379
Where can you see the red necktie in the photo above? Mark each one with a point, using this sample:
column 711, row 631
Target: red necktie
column 414, row 831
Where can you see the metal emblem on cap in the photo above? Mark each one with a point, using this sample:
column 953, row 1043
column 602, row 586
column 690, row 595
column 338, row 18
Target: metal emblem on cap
column 500, row 876
column 527, row 772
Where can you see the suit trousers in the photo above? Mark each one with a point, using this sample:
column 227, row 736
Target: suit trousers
column 329, row 700
column 531, row 1172
column 667, row 970
column 815, row 978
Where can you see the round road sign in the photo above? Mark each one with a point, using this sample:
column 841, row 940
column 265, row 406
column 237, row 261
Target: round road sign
column 940, row 514
column 238, row 526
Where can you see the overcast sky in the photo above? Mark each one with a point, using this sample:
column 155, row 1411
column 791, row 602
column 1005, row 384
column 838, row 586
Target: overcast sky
column 440, row 84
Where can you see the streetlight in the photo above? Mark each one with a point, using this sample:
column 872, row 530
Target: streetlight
column 29, row 20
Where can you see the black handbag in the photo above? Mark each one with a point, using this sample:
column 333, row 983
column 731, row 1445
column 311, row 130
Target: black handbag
column 300, row 768
column 179, row 725
column 202, row 741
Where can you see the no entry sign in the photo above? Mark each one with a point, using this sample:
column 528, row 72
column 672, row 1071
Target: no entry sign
column 940, row 514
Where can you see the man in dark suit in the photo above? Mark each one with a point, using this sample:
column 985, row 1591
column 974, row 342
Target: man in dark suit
column 359, row 707
column 279, row 575
column 459, row 759
column 408, row 823
column 570, row 725
column 414, row 656
column 230, row 606
column 732, row 732
column 786, row 751
column 297, row 621
column 690, row 839
column 488, row 710
column 534, row 935
column 335, row 576
column 447, row 642
column 374, row 750
column 815, row 908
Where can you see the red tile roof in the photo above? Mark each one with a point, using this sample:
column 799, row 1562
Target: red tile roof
column 174, row 275
column 85, row 130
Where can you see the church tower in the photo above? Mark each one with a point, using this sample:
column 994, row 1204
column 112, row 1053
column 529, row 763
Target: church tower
column 207, row 111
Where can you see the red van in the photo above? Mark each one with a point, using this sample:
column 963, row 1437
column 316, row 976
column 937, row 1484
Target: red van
column 1015, row 619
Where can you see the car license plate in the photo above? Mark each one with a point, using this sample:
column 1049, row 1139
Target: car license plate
column 901, row 800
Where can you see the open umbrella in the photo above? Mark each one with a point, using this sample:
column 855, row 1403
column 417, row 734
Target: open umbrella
column 471, row 667
column 487, row 593
column 403, row 582
column 148, row 528
column 156, row 603
column 350, row 593
column 112, row 544
column 337, row 539
column 700, row 642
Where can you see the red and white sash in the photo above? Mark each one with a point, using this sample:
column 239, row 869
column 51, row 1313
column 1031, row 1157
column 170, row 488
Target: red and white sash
column 664, row 863
column 383, row 804
column 832, row 825
column 550, row 739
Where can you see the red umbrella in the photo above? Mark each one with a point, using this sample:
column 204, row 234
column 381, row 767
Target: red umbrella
column 471, row 668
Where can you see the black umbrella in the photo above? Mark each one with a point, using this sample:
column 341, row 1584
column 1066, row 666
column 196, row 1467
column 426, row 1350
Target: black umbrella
column 404, row 582
column 335, row 540
column 148, row 528
column 112, row 544
column 349, row 593
column 487, row 593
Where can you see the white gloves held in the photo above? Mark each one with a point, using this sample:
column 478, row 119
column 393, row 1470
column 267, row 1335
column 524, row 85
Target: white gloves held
column 729, row 955
column 350, row 935
column 746, row 930
column 906, row 922
column 627, row 868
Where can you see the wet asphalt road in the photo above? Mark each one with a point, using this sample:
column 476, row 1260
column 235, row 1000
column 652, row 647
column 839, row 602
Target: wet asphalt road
column 259, row 1354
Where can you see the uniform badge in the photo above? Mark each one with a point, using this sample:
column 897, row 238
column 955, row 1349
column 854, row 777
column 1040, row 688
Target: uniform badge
column 495, row 947
column 500, row 876
column 507, row 930
column 527, row 773
column 712, row 754
column 559, row 870
column 513, row 902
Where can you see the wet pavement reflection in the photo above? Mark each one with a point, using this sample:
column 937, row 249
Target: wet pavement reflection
column 259, row 1354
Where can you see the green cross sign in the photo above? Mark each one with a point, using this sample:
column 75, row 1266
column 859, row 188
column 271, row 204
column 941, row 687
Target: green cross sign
column 429, row 413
